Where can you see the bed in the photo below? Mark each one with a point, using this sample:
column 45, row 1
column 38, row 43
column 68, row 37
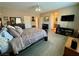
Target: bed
column 27, row 38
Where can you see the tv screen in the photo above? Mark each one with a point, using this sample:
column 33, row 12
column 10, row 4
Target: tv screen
column 67, row 18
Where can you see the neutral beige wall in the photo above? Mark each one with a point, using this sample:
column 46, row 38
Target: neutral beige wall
column 14, row 13
column 68, row 11
column 0, row 12
column 26, row 17
column 1, row 16
column 27, row 21
column 62, row 11
column 65, row 11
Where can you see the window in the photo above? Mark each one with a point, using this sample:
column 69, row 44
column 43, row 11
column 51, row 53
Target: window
column 18, row 20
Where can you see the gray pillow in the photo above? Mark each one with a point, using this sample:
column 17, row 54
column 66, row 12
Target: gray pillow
column 9, row 26
column 13, row 32
column 19, row 29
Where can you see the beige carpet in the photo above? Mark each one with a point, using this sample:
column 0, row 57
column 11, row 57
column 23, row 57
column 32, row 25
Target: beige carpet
column 53, row 47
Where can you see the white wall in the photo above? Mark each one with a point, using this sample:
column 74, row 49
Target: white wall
column 40, row 22
column 27, row 22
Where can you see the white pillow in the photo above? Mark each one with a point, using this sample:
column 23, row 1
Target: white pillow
column 19, row 29
column 9, row 26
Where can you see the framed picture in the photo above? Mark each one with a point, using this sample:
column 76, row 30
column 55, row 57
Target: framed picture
column 5, row 18
column 18, row 20
column 46, row 18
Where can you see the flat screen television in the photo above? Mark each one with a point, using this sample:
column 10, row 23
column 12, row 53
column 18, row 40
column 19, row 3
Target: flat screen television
column 67, row 18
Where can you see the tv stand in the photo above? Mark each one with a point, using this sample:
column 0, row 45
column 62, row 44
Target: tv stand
column 65, row 31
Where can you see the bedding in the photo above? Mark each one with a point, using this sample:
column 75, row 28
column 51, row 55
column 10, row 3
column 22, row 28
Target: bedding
column 4, row 38
column 19, row 41
column 17, row 44
column 9, row 26
column 33, row 34
column 13, row 32
column 28, row 37
column 19, row 29
column 3, row 44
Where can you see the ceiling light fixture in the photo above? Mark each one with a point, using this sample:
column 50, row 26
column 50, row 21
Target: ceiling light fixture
column 37, row 9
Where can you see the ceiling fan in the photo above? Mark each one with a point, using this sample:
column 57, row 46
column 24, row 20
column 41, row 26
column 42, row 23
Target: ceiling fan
column 35, row 8
column 38, row 9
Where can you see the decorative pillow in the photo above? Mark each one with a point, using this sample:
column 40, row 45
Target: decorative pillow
column 9, row 26
column 19, row 29
column 3, row 44
column 4, row 28
column 6, row 35
column 13, row 32
column 3, row 39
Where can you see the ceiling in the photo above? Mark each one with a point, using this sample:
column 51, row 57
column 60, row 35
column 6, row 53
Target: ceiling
column 29, row 7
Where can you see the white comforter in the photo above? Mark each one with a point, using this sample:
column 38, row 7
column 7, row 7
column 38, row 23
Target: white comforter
column 28, row 37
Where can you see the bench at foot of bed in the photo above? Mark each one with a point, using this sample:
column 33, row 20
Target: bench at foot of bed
column 46, row 38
